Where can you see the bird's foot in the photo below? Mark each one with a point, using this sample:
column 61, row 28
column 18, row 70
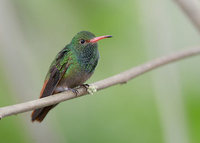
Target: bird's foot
column 74, row 91
column 91, row 89
column 86, row 86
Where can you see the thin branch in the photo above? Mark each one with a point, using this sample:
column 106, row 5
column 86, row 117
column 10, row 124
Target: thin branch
column 114, row 80
column 192, row 10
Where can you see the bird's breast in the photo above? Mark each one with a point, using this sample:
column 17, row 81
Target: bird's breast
column 74, row 77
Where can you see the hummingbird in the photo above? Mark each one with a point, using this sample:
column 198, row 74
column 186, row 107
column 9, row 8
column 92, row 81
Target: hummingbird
column 72, row 66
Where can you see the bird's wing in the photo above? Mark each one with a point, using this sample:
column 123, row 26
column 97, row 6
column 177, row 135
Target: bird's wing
column 57, row 69
column 55, row 74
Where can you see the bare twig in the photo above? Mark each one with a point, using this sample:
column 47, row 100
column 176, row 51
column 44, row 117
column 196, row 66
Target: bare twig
column 114, row 80
column 192, row 9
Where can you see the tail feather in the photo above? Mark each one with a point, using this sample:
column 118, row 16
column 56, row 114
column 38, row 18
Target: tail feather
column 39, row 114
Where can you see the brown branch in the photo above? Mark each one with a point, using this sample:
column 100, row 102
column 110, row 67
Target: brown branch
column 114, row 80
column 192, row 10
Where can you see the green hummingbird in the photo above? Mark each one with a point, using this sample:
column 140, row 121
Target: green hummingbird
column 73, row 65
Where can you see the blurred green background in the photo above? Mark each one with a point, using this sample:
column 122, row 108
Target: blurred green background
column 162, row 106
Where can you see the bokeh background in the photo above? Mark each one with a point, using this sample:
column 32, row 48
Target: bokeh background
column 162, row 106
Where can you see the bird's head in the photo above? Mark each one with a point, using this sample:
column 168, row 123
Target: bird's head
column 85, row 39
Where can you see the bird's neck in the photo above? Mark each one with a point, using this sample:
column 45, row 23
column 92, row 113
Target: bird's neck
column 88, row 59
column 87, row 54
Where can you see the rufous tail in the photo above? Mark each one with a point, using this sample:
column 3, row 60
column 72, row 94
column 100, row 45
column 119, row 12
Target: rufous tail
column 39, row 114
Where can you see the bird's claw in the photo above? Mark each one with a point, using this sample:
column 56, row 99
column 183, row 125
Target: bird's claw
column 86, row 86
column 74, row 91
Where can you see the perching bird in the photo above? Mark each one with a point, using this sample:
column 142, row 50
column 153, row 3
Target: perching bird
column 72, row 66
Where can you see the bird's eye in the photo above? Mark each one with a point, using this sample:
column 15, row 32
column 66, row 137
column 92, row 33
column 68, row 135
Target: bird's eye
column 82, row 41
